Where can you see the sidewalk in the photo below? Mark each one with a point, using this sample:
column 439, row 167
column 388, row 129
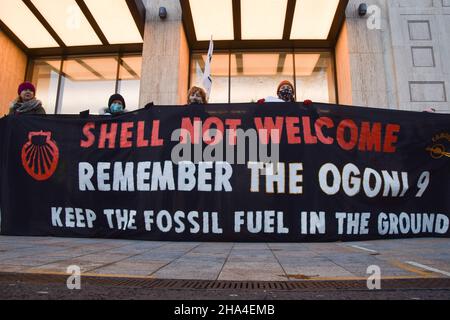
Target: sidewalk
column 397, row 259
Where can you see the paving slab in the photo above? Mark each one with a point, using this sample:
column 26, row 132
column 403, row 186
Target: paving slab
column 225, row 261
column 61, row 267
column 129, row 268
column 31, row 261
column 252, row 271
column 182, row 269
column 13, row 268
column 330, row 271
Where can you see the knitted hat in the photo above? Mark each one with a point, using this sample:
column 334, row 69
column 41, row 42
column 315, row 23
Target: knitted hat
column 25, row 86
column 116, row 97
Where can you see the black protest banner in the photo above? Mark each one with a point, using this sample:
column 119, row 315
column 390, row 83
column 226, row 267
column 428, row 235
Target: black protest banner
column 243, row 172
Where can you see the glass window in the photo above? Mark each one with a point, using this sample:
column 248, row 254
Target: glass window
column 87, row 84
column 256, row 75
column 130, row 80
column 45, row 78
column 315, row 77
column 219, row 73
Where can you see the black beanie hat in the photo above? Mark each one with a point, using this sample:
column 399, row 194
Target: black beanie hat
column 116, row 97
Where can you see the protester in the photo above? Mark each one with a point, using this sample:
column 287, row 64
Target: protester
column 286, row 91
column 197, row 95
column 26, row 102
column 116, row 105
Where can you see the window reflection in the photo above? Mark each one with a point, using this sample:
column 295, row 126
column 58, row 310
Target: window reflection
column 130, row 80
column 315, row 77
column 219, row 72
column 87, row 84
column 45, row 78
column 256, row 75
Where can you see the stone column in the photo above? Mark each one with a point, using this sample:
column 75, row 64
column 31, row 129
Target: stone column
column 364, row 69
column 165, row 63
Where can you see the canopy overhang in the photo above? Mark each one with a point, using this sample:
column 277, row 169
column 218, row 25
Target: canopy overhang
column 263, row 24
column 71, row 27
column 64, row 27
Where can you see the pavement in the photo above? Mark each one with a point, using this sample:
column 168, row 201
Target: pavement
column 396, row 259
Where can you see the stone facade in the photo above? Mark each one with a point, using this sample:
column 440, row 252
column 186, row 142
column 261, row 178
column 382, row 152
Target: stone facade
column 404, row 65
column 165, row 62
column 401, row 65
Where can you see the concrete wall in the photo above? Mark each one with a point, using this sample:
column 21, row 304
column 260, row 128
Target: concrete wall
column 13, row 63
column 404, row 65
column 421, row 45
column 165, row 65
column 401, row 65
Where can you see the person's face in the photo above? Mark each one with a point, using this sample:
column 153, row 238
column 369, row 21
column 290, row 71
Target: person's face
column 27, row 95
column 195, row 98
column 286, row 93
column 117, row 106
column 118, row 102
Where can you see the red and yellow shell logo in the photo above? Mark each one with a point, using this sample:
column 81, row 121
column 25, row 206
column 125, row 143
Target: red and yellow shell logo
column 438, row 150
column 40, row 155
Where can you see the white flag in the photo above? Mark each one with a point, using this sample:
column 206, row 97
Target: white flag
column 207, row 80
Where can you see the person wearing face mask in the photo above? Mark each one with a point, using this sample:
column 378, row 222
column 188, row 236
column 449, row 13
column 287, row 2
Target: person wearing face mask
column 26, row 103
column 116, row 105
column 286, row 91
column 197, row 95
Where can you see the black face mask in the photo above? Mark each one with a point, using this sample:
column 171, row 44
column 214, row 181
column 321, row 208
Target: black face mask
column 287, row 95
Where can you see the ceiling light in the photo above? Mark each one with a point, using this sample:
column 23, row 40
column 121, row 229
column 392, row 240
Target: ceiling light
column 212, row 18
column 68, row 21
column 22, row 22
column 313, row 19
column 263, row 19
column 115, row 20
